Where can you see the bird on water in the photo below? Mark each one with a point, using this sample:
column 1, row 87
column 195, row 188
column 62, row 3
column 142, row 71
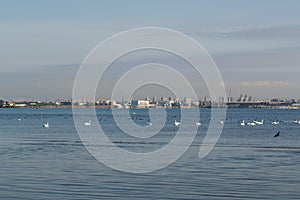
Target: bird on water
column 277, row 134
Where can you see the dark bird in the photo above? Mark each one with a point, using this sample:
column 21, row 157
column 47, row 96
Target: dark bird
column 277, row 134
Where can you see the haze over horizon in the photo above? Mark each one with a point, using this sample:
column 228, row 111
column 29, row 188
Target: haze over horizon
column 255, row 44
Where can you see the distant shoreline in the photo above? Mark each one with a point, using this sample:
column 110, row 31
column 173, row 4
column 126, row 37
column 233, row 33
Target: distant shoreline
column 109, row 107
column 163, row 103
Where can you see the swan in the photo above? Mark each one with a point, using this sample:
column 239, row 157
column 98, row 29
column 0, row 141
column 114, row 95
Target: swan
column 251, row 123
column 198, row 123
column 275, row 122
column 297, row 121
column 259, row 122
column 88, row 123
column 177, row 123
column 243, row 123
column 46, row 125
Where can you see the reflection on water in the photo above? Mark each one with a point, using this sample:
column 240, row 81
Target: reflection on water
column 247, row 163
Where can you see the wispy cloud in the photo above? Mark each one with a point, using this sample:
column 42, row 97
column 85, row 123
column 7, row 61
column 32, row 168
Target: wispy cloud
column 265, row 83
column 239, row 32
column 286, row 32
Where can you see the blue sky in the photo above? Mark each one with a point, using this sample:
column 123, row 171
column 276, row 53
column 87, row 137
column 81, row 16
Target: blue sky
column 256, row 44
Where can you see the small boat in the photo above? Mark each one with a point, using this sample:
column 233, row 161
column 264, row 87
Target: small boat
column 177, row 123
column 46, row 125
column 148, row 123
column 88, row 123
column 19, row 119
column 275, row 122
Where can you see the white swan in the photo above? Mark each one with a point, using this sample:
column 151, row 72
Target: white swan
column 46, row 125
column 259, row 122
column 251, row 123
column 243, row 123
column 297, row 121
column 177, row 123
column 88, row 123
column 198, row 123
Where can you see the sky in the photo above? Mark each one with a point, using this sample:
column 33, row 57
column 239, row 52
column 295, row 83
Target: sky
column 255, row 44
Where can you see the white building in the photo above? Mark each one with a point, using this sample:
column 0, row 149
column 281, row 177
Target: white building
column 140, row 104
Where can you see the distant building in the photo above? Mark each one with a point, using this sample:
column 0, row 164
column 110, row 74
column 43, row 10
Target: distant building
column 188, row 101
column 140, row 104
column 114, row 104
column 176, row 104
column 1, row 103
column 66, row 103
column 170, row 103
column 296, row 105
column 195, row 104
column 154, row 99
column 107, row 102
column 20, row 105
column 164, row 99
column 274, row 100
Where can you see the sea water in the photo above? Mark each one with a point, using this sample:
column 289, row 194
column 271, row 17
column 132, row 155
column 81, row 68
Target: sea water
column 246, row 163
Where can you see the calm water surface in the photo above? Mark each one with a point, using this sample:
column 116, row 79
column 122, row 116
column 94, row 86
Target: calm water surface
column 247, row 162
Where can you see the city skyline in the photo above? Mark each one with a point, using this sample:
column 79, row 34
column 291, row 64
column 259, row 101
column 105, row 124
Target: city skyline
column 243, row 101
column 255, row 44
